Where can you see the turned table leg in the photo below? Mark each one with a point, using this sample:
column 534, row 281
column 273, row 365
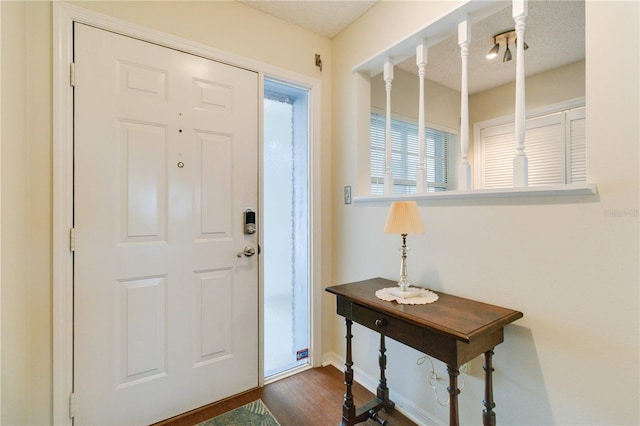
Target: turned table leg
column 348, row 408
column 383, row 389
column 453, row 395
column 488, row 416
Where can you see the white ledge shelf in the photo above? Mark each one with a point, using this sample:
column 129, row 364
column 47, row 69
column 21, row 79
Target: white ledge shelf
column 536, row 191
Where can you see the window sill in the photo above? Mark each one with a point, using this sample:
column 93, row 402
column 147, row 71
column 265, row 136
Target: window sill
column 536, row 191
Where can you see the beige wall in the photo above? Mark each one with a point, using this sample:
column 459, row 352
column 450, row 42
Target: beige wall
column 442, row 105
column 569, row 263
column 27, row 160
column 546, row 88
column 230, row 26
column 13, row 228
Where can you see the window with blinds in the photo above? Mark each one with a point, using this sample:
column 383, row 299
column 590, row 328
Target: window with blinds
column 555, row 145
column 440, row 148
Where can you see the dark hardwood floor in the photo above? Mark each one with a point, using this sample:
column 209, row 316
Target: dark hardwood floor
column 311, row 398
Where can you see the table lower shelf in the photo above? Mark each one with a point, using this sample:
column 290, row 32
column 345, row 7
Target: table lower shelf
column 370, row 411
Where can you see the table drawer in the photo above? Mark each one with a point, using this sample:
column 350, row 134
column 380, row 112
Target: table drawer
column 392, row 327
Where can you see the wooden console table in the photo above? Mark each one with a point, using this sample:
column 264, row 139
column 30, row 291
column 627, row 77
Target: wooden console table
column 453, row 330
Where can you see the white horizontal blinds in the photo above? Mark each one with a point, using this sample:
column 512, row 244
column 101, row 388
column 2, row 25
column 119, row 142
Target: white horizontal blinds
column 405, row 156
column 555, row 146
column 497, row 156
column 436, row 163
column 377, row 154
column 577, row 146
column 544, row 142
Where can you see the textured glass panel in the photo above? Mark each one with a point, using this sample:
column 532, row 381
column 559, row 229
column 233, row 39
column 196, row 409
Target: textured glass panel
column 286, row 227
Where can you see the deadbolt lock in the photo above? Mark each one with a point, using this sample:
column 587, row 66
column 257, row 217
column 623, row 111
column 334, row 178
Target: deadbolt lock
column 249, row 222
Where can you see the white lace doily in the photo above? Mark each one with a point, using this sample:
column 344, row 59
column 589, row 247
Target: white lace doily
column 424, row 296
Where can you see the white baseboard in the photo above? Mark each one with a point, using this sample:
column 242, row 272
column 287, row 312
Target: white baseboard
column 332, row 358
column 403, row 404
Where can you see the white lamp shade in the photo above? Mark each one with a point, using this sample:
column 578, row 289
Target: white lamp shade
column 404, row 218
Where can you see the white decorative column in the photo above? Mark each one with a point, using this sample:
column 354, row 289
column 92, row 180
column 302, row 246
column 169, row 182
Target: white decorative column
column 421, row 62
column 464, row 172
column 388, row 175
column 520, row 161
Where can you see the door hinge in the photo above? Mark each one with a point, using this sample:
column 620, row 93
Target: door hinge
column 72, row 239
column 72, row 74
column 72, row 405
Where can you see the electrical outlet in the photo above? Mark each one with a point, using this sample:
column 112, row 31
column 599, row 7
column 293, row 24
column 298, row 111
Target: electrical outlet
column 465, row 368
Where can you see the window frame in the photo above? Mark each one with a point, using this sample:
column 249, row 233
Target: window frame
column 451, row 158
column 568, row 107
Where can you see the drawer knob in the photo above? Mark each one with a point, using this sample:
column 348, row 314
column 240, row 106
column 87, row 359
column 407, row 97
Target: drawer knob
column 380, row 322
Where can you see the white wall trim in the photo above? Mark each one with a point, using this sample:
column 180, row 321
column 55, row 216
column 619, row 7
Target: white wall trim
column 314, row 185
column 562, row 191
column 434, row 32
column 261, row 381
column 531, row 113
column 315, row 224
column 510, row 118
column 64, row 15
column 0, row 217
column 62, row 214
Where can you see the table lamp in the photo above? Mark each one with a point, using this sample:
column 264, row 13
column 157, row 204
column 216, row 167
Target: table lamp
column 404, row 218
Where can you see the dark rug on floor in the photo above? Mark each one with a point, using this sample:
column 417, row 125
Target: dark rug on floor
column 253, row 414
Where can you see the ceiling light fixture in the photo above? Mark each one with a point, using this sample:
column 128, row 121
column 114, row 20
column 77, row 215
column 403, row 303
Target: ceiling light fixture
column 494, row 50
column 503, row 39
column 507, row 53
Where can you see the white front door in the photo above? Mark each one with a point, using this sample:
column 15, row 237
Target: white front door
column 165, row 164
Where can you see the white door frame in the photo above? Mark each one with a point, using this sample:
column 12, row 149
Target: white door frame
column 0, row 222
column 64, row 15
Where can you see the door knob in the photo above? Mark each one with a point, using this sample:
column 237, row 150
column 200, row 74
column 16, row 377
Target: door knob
column 248, row 252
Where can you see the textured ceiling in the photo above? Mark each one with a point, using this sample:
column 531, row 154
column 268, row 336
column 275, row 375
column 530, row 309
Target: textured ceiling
column 554, row 32
column 324, row 17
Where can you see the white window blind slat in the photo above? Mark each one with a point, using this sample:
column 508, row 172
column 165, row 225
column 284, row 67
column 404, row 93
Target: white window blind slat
column 577, row 139
column 497, row 159
column 405, row 156
column 555, row 146
column 544, row 145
